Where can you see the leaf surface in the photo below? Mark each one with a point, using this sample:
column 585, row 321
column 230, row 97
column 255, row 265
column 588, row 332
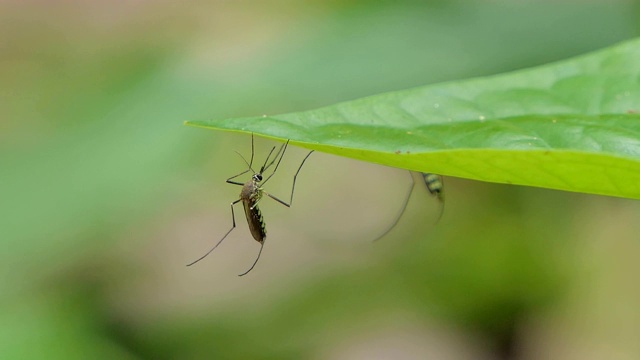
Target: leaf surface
column 572, row 125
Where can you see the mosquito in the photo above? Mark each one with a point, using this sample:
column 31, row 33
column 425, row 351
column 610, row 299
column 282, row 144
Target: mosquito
column 251, row 194
column 434, row 184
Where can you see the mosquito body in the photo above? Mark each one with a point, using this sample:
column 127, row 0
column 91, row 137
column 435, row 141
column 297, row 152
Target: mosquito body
column 251, row 194
column 435, row 185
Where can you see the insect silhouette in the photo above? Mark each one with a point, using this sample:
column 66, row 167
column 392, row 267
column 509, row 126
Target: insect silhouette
column 434, row 184
column 251, row 194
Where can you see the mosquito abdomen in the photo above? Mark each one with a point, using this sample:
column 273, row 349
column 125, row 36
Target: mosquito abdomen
column 434, row 184
column 256, row 223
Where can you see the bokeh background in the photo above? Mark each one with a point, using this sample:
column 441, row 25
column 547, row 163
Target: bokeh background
column 105, row 195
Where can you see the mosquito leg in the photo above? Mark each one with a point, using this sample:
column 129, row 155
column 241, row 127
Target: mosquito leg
column 279, row 155
column 245, row 161
column 404, row 207
column 293, row 188
column 255, row 262
column 233, row 219
column 255, row 203
column 252, row 151
column 264, row 166
column 235, row 176
column 278, row 200
column 280, row 152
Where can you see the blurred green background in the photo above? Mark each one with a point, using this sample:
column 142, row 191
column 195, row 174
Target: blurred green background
column 105, row 195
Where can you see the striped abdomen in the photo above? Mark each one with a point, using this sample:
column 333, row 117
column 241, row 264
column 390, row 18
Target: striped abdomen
column 434, row 184
column 250, row 194
column 255, row 221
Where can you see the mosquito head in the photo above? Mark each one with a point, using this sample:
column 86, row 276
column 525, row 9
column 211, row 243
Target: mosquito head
column 257, row 177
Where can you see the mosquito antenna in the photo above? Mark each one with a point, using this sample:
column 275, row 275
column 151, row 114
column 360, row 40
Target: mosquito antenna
column 245, row 161
column 404, row 207
column 284, row 149
column 255, row 262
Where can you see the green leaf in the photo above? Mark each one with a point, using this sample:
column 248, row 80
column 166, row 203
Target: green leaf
column 572, row 125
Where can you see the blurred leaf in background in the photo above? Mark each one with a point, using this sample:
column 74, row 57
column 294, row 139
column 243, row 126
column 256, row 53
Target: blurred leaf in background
column 105, row 196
